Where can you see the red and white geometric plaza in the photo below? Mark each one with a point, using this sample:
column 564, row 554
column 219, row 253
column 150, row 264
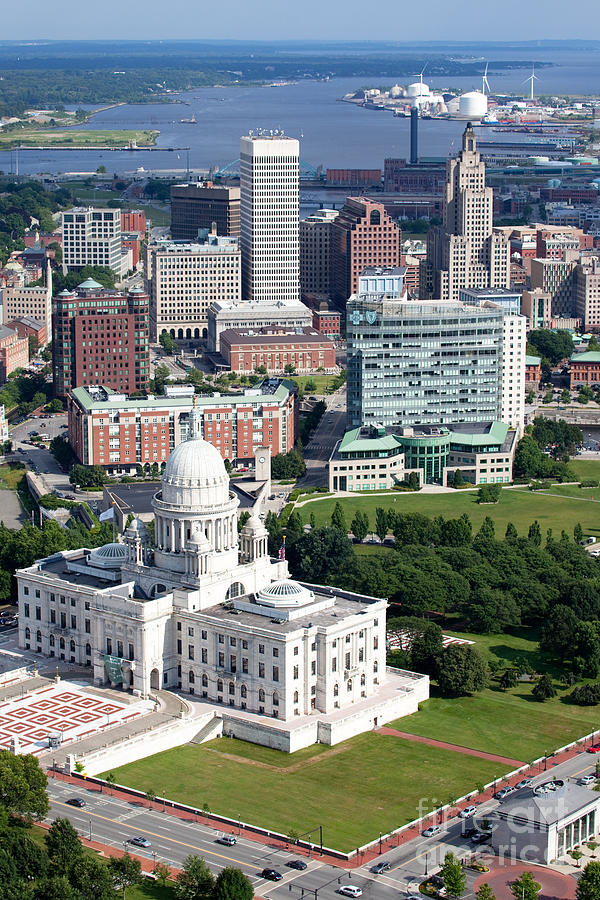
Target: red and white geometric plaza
column 62, row 709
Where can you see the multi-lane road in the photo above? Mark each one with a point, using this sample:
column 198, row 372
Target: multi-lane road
column 113, row 821
column 324, row 438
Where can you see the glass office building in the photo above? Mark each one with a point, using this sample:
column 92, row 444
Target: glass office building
column 422, row 362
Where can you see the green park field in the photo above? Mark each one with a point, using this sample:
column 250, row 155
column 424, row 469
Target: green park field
column 369, row 784
column 519, row 506
column 67, row 137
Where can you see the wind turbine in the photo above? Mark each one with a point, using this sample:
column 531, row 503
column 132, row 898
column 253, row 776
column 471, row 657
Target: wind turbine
column 484, row 81
column 533, row 77
column 420, row 77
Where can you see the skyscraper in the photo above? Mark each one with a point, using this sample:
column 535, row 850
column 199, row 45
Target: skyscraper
column 198, row 205
column 269, row 169
column 465, row 251
column 92, row 237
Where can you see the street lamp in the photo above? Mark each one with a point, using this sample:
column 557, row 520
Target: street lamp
column 90, row 821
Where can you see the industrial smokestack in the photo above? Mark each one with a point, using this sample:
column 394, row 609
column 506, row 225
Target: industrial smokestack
column 414, row 136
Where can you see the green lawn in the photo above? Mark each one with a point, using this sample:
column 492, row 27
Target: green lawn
column 69, row 137
column 369, row 784
column 585, row 468
column 516, row 506
column 321, row 381
column 10, row 475
column 509, row 723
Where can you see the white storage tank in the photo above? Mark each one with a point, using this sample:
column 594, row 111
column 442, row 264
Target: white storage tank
column 417, row 89
column 473, row 105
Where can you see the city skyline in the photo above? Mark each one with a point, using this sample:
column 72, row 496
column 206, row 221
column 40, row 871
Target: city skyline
column 311, row 20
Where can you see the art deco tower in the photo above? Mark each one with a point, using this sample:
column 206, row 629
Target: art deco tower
column 466, row 251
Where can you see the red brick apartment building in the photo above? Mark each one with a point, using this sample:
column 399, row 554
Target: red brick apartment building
column 585, row 369
column 14, row 352
column 123, row 434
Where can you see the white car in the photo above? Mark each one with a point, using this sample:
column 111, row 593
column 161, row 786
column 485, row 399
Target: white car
column 350, row 890
column 433, row 829
column 466, row 812
column 587, row 779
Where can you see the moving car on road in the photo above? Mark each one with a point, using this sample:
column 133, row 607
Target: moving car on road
column 381, row 867
column 139, row 841
column 271, row 874
column 433, row 829
column 480, row 836
column 525, row 782
column 79, row 802
column 467, row 811
column 587, row 779
column 504, row 792
column 297, row 864
column 350, row 890
column 227, row 839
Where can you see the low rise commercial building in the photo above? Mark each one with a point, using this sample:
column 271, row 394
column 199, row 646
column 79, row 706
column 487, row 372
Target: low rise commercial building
column 377, row 458
column 585, row 369
column 542, row 824
column 124, row 434
column 328, row 322
column 224, row 315
column 30, row 328
column 533, row 372
column 305, row 349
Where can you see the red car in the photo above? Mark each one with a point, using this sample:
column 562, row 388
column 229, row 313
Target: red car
column 594, row 748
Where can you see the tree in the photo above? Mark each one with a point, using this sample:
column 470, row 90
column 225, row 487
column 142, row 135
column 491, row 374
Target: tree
column 22, row 785
column 453, row 876
column 319, row 555
column 61, row 449
column 552, row 346
column 87, row 476
column 426, row 648
column 525, row 888
column 458, row 479
column 162, row 873
column 228, row 467
column 63, row 845
column 534, row 534
column 92, row 879
column 28, row 857
column 511, row 533
column 125, row 871
column 56, row 887
column 167, row 342
column 485, row 892
column 195, row 881
column 565, row 397
column 289, row 368
column 588, row 886
column 461, row 671
column 360, row 526
column 55, row 406
column 544, row 689
column 578, row 533
column 338, row 519
column 232, row 884
column 508, row 679
column 381, row 523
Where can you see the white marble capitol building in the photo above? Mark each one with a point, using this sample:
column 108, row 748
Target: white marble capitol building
column 207, row 612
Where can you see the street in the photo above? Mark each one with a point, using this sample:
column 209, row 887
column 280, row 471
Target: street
column 37, row 457
column 326, row 435
column 114, row 821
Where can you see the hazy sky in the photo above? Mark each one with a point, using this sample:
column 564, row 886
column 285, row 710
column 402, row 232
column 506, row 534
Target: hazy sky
column 403, row 20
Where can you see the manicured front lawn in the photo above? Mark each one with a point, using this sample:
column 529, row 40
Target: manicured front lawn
column 509, row 723
column 585, row 468
column 516, row 506
column 322, row 382
column 10, row 475
column 367, row 785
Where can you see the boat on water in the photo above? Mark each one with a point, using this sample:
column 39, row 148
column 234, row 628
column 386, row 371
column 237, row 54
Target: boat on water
column 189, row 121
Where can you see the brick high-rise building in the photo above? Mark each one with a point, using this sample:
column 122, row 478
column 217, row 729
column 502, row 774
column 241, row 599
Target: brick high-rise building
column 362, row 235
column 14, row 352
column 100, row 337
column 556, row 277
column 465, row 251
column 269, row 208
column 587, row 292
column 198, row 205
column 315, row 252
column 30, row 302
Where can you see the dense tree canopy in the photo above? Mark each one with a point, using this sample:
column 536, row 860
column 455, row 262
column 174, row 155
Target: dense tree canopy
column 552, row 346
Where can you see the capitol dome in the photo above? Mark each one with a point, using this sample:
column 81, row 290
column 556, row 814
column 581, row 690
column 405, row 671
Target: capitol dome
column 109, row 556
column 285, row 593
column 195, row 473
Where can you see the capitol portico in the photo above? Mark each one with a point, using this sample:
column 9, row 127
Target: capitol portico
column 206, row 611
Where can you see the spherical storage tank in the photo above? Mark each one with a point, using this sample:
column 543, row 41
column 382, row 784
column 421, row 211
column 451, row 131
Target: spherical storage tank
column 473, row 105
column 554, row 182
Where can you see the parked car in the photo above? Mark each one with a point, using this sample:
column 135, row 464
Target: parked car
column 227, row 839
column 79, row 802
column 594, row 748
column 504, row 792
column 271, row 874
column 350, row 890
column 467, row 811
column 139, row 841
column 381, row 867
column 297, row 864
column 433, row 829
column 523, row 783
column 587, row 779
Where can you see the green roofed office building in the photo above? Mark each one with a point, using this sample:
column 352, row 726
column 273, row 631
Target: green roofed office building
column 377, row 458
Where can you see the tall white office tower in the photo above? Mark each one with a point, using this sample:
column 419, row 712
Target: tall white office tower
column 269, row 207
